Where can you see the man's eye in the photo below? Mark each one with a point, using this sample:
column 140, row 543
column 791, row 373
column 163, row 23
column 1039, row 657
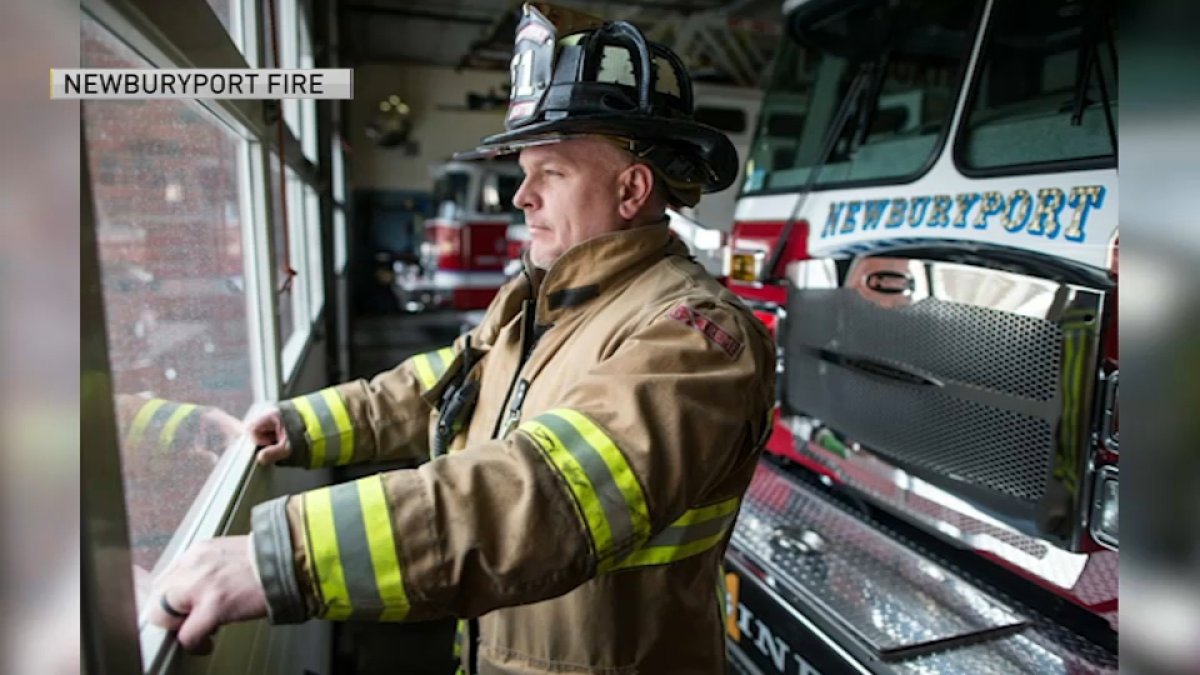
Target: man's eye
column 551, row 172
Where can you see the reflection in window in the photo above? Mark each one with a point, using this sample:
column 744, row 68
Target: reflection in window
column 900, row 64
column 1034, row 102
column 165, row 181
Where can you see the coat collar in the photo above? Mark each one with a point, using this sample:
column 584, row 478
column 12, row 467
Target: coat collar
column 590, row 269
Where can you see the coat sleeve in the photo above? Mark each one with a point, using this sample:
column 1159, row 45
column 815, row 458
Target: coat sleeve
column 385, row 418
column 631, row 467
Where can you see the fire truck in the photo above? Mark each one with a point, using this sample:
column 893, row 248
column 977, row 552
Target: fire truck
column 465, row 246
column 928, row 225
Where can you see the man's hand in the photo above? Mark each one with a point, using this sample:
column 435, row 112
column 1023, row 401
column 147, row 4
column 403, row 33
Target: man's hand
column 213, row 583
column 266, row 431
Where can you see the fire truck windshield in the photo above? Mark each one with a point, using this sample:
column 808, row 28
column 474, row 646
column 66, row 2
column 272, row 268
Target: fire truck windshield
column 1046, row 90
column 497, row 193
column 916, row 52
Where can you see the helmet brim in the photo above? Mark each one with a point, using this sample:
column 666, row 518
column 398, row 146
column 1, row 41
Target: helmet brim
column 705, row 143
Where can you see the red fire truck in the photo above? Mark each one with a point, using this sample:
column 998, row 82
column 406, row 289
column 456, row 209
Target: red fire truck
column 928, row 223
column 465, row 245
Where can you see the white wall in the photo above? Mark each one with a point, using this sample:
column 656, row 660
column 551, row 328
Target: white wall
column 439, row 132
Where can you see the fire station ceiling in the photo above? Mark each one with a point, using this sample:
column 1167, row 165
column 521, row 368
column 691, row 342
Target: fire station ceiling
column 727, row 41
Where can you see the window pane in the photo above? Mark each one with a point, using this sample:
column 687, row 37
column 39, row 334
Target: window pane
column 284, row 290
column 308, row 107
column 289, row 50
column 906, row 90
column 339, row 239
column 297, row 233
column 166, row 184
column 1030, row 88
column 229, row 12
column 312, row 215
column 338, row 169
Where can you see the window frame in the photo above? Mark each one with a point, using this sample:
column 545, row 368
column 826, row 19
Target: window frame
column 1026, row 169
column 165, row 35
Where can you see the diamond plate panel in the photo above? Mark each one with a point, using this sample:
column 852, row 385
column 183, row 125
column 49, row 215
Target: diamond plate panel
column 921, row 617
column 897, row 602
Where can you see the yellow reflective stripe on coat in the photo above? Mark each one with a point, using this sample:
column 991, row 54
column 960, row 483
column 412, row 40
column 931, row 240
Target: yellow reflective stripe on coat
column 430, row 366
column 327, row 424
column 460, row 636
column 695, row 532
column 324, row 554
column 606, row 491
column 142, row 419
column 353, row 552
column 161, row 414
column 168, row 433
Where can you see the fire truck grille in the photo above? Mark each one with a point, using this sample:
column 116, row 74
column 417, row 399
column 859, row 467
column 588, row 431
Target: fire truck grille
column 1007, row 352
column 957, row 391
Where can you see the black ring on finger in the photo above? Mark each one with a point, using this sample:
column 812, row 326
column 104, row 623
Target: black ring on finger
column 166, row 607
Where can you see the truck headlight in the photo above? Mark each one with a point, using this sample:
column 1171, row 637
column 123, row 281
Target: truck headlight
column 1105, row 520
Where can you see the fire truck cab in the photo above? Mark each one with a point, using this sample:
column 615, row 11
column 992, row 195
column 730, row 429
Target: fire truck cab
column 465, row 245
column 928, row 223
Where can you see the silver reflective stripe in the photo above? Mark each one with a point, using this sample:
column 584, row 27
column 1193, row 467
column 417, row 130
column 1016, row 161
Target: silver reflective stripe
column 357, row 569
column 329, row 428
column 678, row 535
column 616, row 510
column 437, row 363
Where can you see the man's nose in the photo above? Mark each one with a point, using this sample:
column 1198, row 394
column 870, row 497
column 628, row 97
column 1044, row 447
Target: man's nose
column 523, row 198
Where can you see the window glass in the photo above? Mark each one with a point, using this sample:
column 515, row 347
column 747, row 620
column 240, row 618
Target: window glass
column 289, row 57
column 286, row 299
column 297, row 232
column 168, row 201
column 450, row 193
column 308, row 107
column 229, row 13
column 339, row 240
column 1032, row 103
column 903, row 62
column 338, row 169
column 497, row 193
column 312, row 243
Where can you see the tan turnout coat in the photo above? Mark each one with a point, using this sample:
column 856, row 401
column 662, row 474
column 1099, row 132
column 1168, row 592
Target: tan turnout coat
column 582, row 512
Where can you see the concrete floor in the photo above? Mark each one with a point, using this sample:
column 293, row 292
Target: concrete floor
column 380, row 342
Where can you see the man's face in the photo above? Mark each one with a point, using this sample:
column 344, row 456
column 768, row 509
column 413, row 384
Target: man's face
column 570, row 194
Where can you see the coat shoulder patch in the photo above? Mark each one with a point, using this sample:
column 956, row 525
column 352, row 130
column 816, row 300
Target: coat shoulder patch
column 690, row 316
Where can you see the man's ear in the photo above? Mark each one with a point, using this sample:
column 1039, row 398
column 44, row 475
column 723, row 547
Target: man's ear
column 636, row 187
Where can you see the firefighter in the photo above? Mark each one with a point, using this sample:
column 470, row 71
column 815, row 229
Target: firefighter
column 589, row 442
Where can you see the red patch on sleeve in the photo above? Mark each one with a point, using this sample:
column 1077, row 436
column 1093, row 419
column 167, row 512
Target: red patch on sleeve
column 710, row 329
